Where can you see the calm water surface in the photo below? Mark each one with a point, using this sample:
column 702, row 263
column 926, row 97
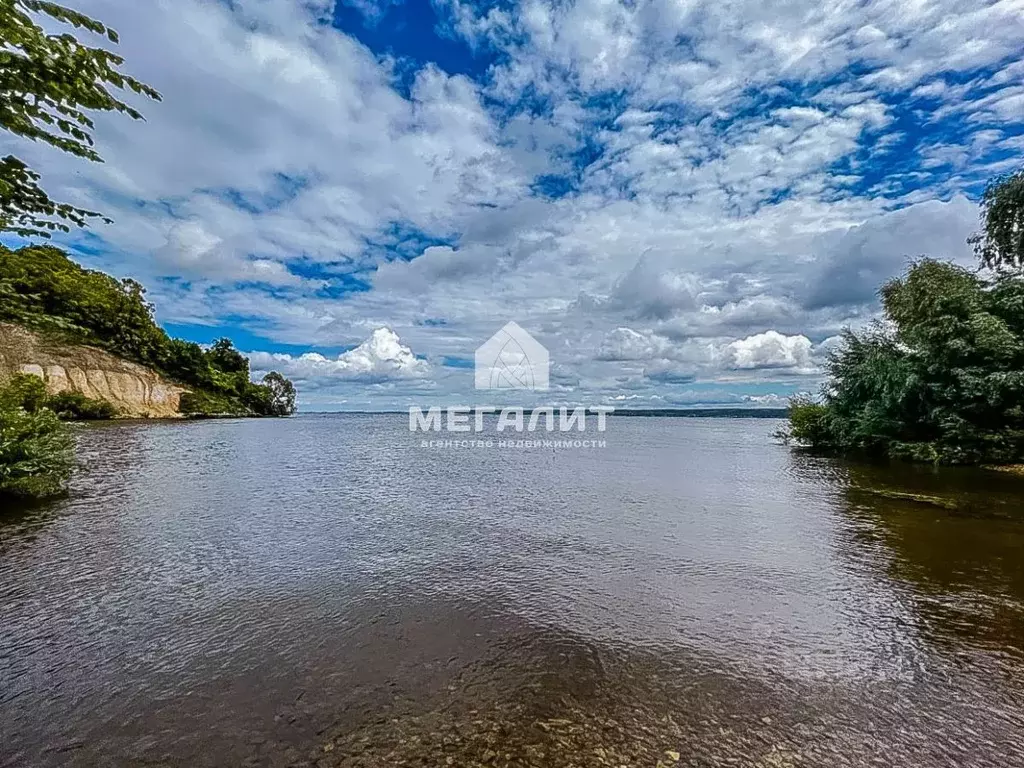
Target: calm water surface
column 324, row 591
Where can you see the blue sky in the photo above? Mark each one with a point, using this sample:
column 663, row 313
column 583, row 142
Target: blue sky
column 684, row 201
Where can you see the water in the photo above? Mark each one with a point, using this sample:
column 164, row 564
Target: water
column 323, row 591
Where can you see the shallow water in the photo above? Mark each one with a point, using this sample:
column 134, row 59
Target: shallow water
column 322, row 590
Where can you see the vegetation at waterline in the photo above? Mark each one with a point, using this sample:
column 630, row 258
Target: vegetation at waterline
column 36, row 449
column 29, row 392
column 49, row 86
column 941, row 378
column 41, row 288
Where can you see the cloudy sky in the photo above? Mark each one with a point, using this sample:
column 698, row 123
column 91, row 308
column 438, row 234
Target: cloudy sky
column 684, row 201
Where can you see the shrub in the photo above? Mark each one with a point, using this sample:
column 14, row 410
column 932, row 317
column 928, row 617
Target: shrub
column 24, row 391
column 201, row 403
column 36, row 449
column 809, row 423
column 75, row 406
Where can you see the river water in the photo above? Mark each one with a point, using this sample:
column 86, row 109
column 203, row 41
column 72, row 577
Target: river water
column 325, row 591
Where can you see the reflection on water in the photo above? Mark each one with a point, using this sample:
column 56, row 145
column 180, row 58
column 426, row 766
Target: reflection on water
column 958, row 546
column 322, row 591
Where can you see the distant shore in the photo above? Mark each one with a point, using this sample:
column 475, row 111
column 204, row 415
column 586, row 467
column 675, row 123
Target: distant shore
column 691, row 413
column 706, row 413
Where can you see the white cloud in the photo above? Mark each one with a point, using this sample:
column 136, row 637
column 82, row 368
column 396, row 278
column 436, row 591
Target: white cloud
column 852, row 264
column 770, row 349
column 191, row 251
column 300, row 121
column 437, row 262
column 626, row 344
column 382, row 356
column 646, row 291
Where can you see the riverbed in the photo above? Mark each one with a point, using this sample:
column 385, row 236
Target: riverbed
column 324, row 590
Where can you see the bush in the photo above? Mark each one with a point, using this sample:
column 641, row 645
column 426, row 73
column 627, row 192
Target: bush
column 36, row 449
column 28, row 392
column 24, row 391
column 201, row 403
column 75, row 406
column 808, row 423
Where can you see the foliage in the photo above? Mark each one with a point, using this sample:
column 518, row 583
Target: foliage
column 1001, row 244
column 74, row 406
column 224, row 357
column 49, row 85
column 40, row 287
column 28, row 392
column 24, row 391
column 36, row 449
column 282, row 394
column 808, row 423
column 942, row 380
column 206, row 403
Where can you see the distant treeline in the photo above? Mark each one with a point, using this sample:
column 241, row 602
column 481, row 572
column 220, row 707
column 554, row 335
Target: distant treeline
column 706, row 413
column 41, row 288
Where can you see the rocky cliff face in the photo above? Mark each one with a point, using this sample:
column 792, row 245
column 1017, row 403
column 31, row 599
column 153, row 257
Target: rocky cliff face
column 134, row 389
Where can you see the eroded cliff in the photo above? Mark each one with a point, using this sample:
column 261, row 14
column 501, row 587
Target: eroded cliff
column 134, row 389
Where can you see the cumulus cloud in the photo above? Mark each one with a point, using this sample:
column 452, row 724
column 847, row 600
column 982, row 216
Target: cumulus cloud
column 770, row 349
column 381, row 357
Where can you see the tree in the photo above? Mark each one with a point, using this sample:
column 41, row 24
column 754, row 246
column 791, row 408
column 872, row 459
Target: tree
column 224, row 357
column 282, row 401
column 49, row 83
column 1000, row 245
column 185, row 361
column 942, row 380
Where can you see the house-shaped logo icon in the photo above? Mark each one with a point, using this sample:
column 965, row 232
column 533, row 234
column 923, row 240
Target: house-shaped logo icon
column 512, row 359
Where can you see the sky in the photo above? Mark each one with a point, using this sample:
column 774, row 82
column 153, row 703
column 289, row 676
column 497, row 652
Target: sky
column 684, row 201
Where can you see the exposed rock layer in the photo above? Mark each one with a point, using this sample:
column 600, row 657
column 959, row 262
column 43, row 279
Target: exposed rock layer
column 134, row 389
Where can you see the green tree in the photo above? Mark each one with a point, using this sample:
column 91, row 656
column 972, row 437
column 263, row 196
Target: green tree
column 185, row 361
column 1000, row 245
column 49, row 85
column 282, row 394
column 224, row 357
column 942, row 380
